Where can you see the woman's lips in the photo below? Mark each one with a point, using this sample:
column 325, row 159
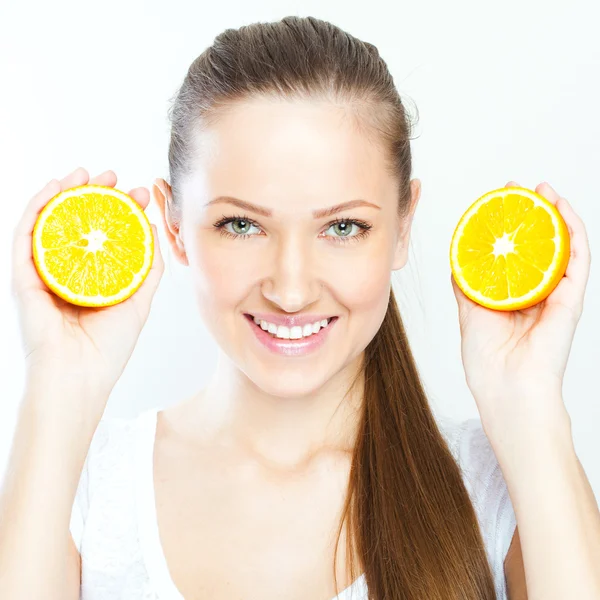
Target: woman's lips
column 291, row 347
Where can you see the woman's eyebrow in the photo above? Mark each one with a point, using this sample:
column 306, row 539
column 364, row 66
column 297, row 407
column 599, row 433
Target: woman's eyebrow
column 265, row 212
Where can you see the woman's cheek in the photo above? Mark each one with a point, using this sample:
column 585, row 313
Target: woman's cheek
column 360, row 280
column 224, row 272
column 218, row 288
column 215, row 258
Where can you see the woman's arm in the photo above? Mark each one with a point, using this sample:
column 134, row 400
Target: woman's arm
column 515, row 363
column 38, row 558
column 556, row 511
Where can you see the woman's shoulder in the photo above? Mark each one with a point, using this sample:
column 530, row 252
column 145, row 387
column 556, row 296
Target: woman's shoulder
column 476, row 459
column 462, row 433
column 487, row 489
column 115, row 436
column 111, row 458
column 473, row 453
column 106, row 480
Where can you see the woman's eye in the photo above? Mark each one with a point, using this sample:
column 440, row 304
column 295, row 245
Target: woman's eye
column 343, row 228
column 240, row 226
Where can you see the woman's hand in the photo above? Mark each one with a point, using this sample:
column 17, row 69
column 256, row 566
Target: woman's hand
column 90, row 346
column 512, row 356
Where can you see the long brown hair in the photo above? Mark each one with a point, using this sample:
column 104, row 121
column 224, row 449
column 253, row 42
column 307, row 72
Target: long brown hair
column 408, row 515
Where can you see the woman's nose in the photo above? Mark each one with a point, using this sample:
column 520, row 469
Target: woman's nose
column 292, row 282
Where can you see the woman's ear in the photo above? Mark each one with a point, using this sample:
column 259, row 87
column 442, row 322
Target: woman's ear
column 161, row 191
column 401, row 254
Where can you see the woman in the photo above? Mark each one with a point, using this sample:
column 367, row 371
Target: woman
column 311, row 462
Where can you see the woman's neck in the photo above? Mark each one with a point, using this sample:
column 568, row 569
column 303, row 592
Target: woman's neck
column 280, row 431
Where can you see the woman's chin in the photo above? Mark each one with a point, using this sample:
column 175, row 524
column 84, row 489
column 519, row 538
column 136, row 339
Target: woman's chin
column 294, row 383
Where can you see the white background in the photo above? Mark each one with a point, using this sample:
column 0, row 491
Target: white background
column 504, row 92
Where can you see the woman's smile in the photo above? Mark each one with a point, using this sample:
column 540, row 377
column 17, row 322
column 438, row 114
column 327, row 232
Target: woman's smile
column 291, row 336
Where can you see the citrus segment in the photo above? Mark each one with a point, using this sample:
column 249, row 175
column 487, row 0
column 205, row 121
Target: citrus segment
column 510, row 249
column 93, row 245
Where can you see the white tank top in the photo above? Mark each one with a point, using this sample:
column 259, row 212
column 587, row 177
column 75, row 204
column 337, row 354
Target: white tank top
column 114, row 525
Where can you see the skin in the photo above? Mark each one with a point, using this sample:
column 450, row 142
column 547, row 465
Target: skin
column 222, row 533
column 272, row 435
column 265, row 508
column 278, row 405
column 257, row 481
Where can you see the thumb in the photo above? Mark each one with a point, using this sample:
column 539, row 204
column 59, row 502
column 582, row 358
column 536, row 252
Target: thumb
column 465, row 304
column 146, row 291
column 158, row 264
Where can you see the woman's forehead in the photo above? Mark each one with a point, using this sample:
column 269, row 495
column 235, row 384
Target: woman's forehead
column 266, row 148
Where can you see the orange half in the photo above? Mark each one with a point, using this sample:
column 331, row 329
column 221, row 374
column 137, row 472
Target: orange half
column 510, row 249
column 93, row 245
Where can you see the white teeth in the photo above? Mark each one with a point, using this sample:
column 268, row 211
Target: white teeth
column 283, row 332
column 296, row 332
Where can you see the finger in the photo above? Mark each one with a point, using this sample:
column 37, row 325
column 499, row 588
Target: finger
column 458, row 293
column 35, row 205
column 108, row 178
column 143, row 297
column 578, row 268
column 24, row 273
column 141, row 195
column 512, row 184
column 465, row 304
column 78, row 177
column 548, row 192
column 158, row 264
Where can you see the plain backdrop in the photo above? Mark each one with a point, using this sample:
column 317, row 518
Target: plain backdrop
column 504, row 91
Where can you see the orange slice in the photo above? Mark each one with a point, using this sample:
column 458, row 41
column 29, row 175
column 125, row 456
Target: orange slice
column 93, row 245
column 510, row 249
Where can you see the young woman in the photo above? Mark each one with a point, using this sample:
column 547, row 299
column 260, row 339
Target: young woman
column 311, row 462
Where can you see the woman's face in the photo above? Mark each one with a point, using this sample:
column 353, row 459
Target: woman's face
column 256, row 235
